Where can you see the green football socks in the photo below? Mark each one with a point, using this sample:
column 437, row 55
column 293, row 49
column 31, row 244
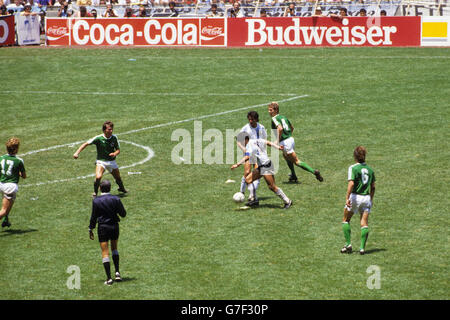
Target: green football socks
column 305, row 166
column 291, row 167
column 347, row 232
column 364, row 236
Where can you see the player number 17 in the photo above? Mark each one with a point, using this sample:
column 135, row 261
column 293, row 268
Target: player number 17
column 9, row 166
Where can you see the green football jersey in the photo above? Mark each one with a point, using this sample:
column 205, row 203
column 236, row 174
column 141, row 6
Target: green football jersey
column 105, row 146
column 284, row 122
column 363, row 176
column 10, row 167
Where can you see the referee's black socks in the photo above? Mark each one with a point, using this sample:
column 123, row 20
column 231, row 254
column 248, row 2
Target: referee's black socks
column 115, row 257
column 107, row 267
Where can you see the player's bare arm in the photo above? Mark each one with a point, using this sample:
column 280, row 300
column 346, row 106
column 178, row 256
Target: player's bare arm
column 115, row 153
column 81, row 148
column 234, row 166
column 274, row 145
column 372, row 191
column 351, row 183
column 279, row 131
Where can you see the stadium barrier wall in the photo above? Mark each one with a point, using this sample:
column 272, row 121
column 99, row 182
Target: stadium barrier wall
column 7, row 33
column 235, row 32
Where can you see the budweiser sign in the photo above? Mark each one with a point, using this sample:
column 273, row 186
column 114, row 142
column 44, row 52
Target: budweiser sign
column 324, row 31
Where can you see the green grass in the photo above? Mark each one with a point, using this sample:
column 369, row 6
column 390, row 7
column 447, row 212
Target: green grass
column 183, row 237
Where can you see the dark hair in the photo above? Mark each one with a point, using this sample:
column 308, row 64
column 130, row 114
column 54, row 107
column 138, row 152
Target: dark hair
column 383, row 12
column 105, row 186
column 107, row 124
column 3, row 8
column 363, row 10
column 253, row 114
column 343, row 9
column 360, row 154
column 214, row 5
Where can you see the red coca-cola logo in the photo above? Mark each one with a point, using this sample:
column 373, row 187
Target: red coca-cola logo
column 212, row 31
column 57, row 31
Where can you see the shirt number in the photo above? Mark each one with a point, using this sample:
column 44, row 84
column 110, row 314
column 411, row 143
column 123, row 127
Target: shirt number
column 365, row 175
column 9, row 167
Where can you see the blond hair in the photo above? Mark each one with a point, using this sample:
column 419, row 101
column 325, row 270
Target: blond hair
column 274, row 105
column 12, row 145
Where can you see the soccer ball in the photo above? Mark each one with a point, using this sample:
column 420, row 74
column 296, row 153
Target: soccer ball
column 238, row 197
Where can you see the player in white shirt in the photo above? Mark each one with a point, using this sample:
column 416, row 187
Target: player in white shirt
column 254, row 130
column 257, row 148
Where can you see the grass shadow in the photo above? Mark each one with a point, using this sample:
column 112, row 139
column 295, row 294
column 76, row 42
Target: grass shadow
column 11, row 232
column 374, row 250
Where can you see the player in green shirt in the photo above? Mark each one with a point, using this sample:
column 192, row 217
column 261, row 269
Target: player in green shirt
column 11, row 170
column 359, row 198
column 284, row 130
column 108, row 148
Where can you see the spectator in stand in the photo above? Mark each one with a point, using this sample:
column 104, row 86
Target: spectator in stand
column 263, row 13
column 342, row 13
column 290, row 11
column 142, row 12
column 27, row 11
column 214, row 12
column 64, row 11
column 42, row 4
column 236, row 11
column 83, row 13
column 110, row 12
column 84, row 2
column 173, row 11
column 94, row 14
column 318, row 12
column 129, row 13
column 3, row 10
column 362, row 12
column 17, row 6
column 383, row 13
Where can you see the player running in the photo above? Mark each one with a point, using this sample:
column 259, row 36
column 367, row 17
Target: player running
column 12, row 169
column 108, row 148
column 254, row 130
column 359, row 198
column 257, row 148
column 284, row 130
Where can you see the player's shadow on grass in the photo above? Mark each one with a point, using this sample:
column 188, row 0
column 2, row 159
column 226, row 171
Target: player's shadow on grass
column 11, row 232
column 374, row 250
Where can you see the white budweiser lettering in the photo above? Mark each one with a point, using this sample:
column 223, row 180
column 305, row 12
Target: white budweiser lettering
column 212, row 31
column 261, row 34
column 57, row 31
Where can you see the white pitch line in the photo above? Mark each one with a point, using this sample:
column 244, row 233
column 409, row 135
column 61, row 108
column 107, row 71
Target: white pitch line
column 210, row 115
column 164, row 125
column 150, row 154
column 181, row 94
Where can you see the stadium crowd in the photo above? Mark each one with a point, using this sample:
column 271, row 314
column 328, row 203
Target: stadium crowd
column 172, row 8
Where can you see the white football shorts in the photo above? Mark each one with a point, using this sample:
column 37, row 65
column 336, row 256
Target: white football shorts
column 9, row 190
column 360, row 203
column 266, row 169
column 108, row 165
column 288, row 145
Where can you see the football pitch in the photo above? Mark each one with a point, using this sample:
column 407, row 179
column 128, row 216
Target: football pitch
column 184, row 237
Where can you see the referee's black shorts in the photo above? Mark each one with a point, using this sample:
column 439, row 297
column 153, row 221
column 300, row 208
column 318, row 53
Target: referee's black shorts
column 108, row 232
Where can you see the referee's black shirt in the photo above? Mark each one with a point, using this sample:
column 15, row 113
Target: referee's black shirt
column 105, row 210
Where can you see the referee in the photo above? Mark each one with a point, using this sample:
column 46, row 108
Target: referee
column 105, row 211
